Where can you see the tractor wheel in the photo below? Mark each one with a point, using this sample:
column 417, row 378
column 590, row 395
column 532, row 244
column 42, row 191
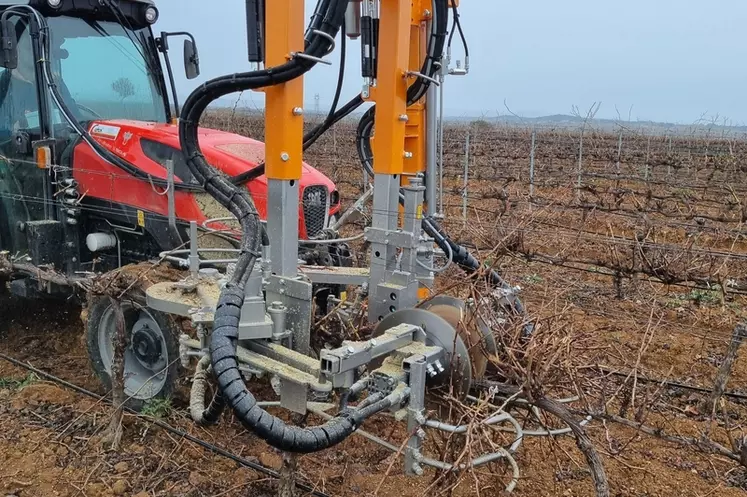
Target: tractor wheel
column 151, row 365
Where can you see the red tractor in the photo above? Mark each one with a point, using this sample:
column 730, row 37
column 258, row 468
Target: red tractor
column 88, row 140
column 92, row 177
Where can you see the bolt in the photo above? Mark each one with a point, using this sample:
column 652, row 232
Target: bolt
column 350, row 349
column 404, row 118
column 373, row 342
column 408, row 155
column 439, row 366
column 431, row 371
column 417, row 469
column 297, row 111
column 282, row 291
column 420, row 434
column 277, row 306
column 285, row 157
column 426, row 13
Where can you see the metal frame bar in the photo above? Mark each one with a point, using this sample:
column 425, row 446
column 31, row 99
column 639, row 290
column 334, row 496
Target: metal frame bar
column 284, row 159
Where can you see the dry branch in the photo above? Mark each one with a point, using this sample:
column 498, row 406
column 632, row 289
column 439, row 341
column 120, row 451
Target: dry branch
column 114, row 432
column 583, row 442
column 740, row 333
column 703, row 444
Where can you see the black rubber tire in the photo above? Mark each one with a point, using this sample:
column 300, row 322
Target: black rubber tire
column 96, row 312
column 4, row 245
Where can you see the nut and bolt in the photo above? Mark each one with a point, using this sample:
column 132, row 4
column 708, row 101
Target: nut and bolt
column 404, row 118
column 431, row 371
column 373, row 342
column 439, row 366
column 408, row 155
column 350, row 350
column 285, row 157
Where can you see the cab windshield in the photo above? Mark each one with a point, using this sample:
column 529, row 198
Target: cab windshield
column 106, row 71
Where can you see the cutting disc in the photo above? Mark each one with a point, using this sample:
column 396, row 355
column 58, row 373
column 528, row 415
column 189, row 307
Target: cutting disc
column 438, row 333
column 471, row 328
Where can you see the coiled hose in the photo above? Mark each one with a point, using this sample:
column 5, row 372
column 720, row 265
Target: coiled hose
column 328, row 18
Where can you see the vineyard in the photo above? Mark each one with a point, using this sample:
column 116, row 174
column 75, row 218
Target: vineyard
column 628, row 246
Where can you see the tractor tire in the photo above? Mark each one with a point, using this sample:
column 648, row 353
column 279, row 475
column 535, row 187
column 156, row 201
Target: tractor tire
column 151, row 363
column 4, row 245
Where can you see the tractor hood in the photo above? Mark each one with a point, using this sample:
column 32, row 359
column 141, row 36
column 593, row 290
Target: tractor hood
column 137, row 142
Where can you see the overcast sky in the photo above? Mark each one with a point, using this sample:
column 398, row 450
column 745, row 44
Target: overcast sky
column 670, row 60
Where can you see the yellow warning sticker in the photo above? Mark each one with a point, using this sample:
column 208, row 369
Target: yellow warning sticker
column 343, row 296
column 141, row 219
column 419, row 214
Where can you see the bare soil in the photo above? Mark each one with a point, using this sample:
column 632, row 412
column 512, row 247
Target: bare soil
column 565, row 260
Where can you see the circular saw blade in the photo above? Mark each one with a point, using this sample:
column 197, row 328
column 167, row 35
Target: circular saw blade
column 440, row 333
column 470, row 327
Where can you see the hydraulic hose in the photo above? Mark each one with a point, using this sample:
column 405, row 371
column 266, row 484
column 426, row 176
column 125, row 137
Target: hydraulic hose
column 415, row 92
column 327, row 19
column 200, row 414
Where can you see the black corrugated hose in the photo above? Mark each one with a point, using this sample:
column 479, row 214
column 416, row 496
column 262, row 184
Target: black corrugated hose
column 328, row 19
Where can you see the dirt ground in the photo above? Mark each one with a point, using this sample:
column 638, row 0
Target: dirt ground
column 50, row 442
column 563, row 247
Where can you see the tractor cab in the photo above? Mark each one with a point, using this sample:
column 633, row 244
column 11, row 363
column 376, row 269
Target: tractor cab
column 91, row 171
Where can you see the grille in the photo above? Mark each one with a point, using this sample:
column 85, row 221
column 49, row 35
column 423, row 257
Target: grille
column 315, row 209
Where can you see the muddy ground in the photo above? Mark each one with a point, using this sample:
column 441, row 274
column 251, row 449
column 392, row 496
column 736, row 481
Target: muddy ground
column 50, row 441
column 592, row 260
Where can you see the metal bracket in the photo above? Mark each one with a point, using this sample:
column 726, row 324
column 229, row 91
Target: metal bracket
column 355, row 354
column 295, row 288
column 399, row 238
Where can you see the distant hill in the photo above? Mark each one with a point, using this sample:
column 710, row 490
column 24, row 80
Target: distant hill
column 544, row 122
column 610, row 125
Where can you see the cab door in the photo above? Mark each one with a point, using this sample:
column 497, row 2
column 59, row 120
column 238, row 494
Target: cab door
column 24, row 187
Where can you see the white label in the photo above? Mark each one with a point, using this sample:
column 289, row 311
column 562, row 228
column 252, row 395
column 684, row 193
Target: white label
column 105, row 131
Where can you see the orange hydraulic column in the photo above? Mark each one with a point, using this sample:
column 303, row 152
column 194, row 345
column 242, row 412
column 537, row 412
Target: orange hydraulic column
column 283, row 158
column 391, row 91
column 284, row 103
column 415, row 129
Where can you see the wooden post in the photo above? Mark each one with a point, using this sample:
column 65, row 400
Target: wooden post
column 580, row 163
column 531, row 165
column 466, row 178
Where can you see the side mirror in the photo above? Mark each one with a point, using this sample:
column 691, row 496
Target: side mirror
column 191, row 59
column 9, row 52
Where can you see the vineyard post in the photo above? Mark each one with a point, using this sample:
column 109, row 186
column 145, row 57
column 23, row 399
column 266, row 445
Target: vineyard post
column 531, row 165
column 619, row 151
column 669, row 157
column 580, row 162
column 646, row 172
column 466, row 178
